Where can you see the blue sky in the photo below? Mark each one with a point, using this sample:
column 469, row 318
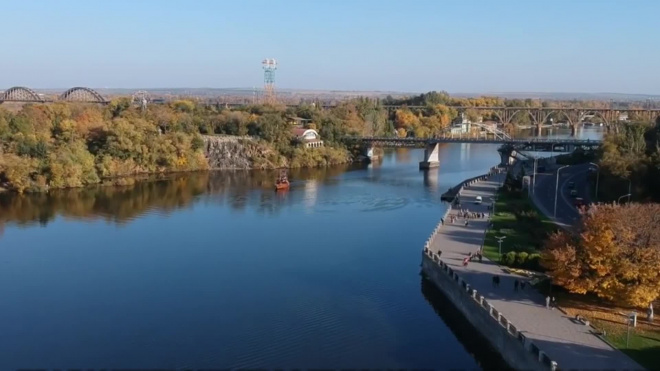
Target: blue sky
column 412, row 46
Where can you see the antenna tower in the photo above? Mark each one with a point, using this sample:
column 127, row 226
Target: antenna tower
column 269, row 65
column 141, row 98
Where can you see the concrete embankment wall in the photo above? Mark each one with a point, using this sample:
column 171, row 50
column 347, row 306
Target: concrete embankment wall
column 514, row 347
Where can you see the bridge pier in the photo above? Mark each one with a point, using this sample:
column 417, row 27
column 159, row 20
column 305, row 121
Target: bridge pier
column 574, row 129
column 431, row 159
column 369, row 153
column 539, row 130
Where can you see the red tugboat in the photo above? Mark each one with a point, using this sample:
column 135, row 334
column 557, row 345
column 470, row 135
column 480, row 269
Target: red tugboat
column 282, row 182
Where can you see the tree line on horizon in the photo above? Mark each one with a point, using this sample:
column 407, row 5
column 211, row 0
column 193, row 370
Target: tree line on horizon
column 61, row 145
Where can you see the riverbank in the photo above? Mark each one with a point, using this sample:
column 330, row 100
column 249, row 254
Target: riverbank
column 516, row 322
column 217, row 153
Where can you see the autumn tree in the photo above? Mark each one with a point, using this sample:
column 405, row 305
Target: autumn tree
column 405, row 118
column 615, row 254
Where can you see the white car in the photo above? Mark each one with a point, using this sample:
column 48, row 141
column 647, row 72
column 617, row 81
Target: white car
column 478, row 200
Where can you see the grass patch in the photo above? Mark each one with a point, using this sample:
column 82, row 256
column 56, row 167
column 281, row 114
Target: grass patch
column 517, row 218
column 644, row 343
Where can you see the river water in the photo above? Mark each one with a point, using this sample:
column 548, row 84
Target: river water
column 217, row 270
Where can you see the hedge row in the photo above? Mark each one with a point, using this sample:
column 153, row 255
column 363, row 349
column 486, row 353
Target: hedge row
column 522, row 260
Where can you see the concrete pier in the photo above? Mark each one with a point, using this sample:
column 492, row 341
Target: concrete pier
column 431, row 158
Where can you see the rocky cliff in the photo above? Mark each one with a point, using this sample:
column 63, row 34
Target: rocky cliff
column 232, row 152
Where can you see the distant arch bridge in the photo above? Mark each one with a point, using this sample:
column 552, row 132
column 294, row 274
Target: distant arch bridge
column 22, row 94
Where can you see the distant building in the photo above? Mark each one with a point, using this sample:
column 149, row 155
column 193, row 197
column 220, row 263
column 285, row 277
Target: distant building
column 309, row 138
column 623, row 116
column 460, row 125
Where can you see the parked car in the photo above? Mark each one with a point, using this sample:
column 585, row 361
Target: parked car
column 478, row 200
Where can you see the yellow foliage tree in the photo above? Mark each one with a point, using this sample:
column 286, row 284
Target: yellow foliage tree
column 616, row 254
column 405, row 118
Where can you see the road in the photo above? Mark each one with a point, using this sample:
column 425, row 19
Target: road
column 544, row 192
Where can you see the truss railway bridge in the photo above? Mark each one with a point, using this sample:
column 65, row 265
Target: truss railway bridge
column 22, row 94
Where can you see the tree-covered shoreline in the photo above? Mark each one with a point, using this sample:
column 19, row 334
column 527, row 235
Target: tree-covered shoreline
column 66, row 145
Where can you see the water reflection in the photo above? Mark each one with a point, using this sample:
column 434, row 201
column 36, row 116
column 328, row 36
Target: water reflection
column 163, row 195
column 431, row 179
column 486, row 357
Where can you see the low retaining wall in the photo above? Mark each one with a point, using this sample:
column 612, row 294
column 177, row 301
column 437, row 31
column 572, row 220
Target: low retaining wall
column 451, row 194
column 518, row 351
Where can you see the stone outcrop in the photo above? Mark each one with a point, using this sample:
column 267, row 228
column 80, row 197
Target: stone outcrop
column 234, row 152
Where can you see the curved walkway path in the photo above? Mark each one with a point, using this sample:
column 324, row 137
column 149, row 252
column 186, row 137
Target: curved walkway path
column 567, row 342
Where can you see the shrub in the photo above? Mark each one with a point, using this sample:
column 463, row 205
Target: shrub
column 522, row 260
column 509, row 258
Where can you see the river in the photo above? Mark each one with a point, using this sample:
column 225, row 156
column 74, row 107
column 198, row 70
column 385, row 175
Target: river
column 217, row 270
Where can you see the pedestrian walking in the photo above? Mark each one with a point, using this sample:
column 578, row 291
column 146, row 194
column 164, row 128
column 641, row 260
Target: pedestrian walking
column 466, row 223
column 547, row 302
column 442, row 221
column 465, row 261
column 515, row 285
column 480, row 257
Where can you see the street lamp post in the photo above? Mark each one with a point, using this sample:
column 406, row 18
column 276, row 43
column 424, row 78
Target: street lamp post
column 557, row 189
column 597, row 178
column 534, row 177
column 499, row 242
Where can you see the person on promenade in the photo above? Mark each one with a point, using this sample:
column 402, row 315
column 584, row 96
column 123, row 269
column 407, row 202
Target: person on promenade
column 515, row 285
column 442, row 221
column 496, row 281
column 547, row 302
column 466, row 223
column 480, row 257
column 465, row 261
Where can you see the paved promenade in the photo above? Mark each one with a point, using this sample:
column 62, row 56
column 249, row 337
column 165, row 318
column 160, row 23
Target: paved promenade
column 567, row 342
